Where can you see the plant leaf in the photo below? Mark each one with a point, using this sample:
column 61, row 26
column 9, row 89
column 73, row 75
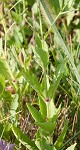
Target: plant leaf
column 51, row 109
column 24, row 139
column 46, row 145
column 35, row 113
column 45, row 85
column 47, row 126
column 43, row 108
column 72, row 147
column 55, row 116
column 42, row 143
column 14, row 105
column 41, row 53
column 3, row 69
column 60, row 139
column 2, row 84
column 33, row 81
column 55, row 5
column 57, row 77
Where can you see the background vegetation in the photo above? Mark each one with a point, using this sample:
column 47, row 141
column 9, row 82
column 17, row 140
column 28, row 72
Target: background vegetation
column 40, row 74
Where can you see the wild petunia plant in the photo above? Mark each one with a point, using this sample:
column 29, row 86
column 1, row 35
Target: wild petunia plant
column 31, row 65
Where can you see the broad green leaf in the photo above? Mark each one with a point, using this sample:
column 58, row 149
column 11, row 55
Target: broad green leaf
column 41, row 44
column 30, row 2
column 58, row 144
column 55, row 5
column 7, row 130
column 35, row 113
column 43, row 108
column 55, row 116
column 51, row 109
column 41, row 57
column 16, row 17
column 42, row 143
column 6, row 71
column 70, row 17
column 53, row 87
column 38, row 41
column 24, row 139
column 39, row 138
column 72, row 147
column 45, row 85
column 3, row 69
column 35, row 8
column 48, row 127
column 61, row 4
column 2, row 84
column 41, row 53
column 38, row 144
column 60, row 68
column 17, row 37
column 57, row 77
column 46, row 145
column 33, row 81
